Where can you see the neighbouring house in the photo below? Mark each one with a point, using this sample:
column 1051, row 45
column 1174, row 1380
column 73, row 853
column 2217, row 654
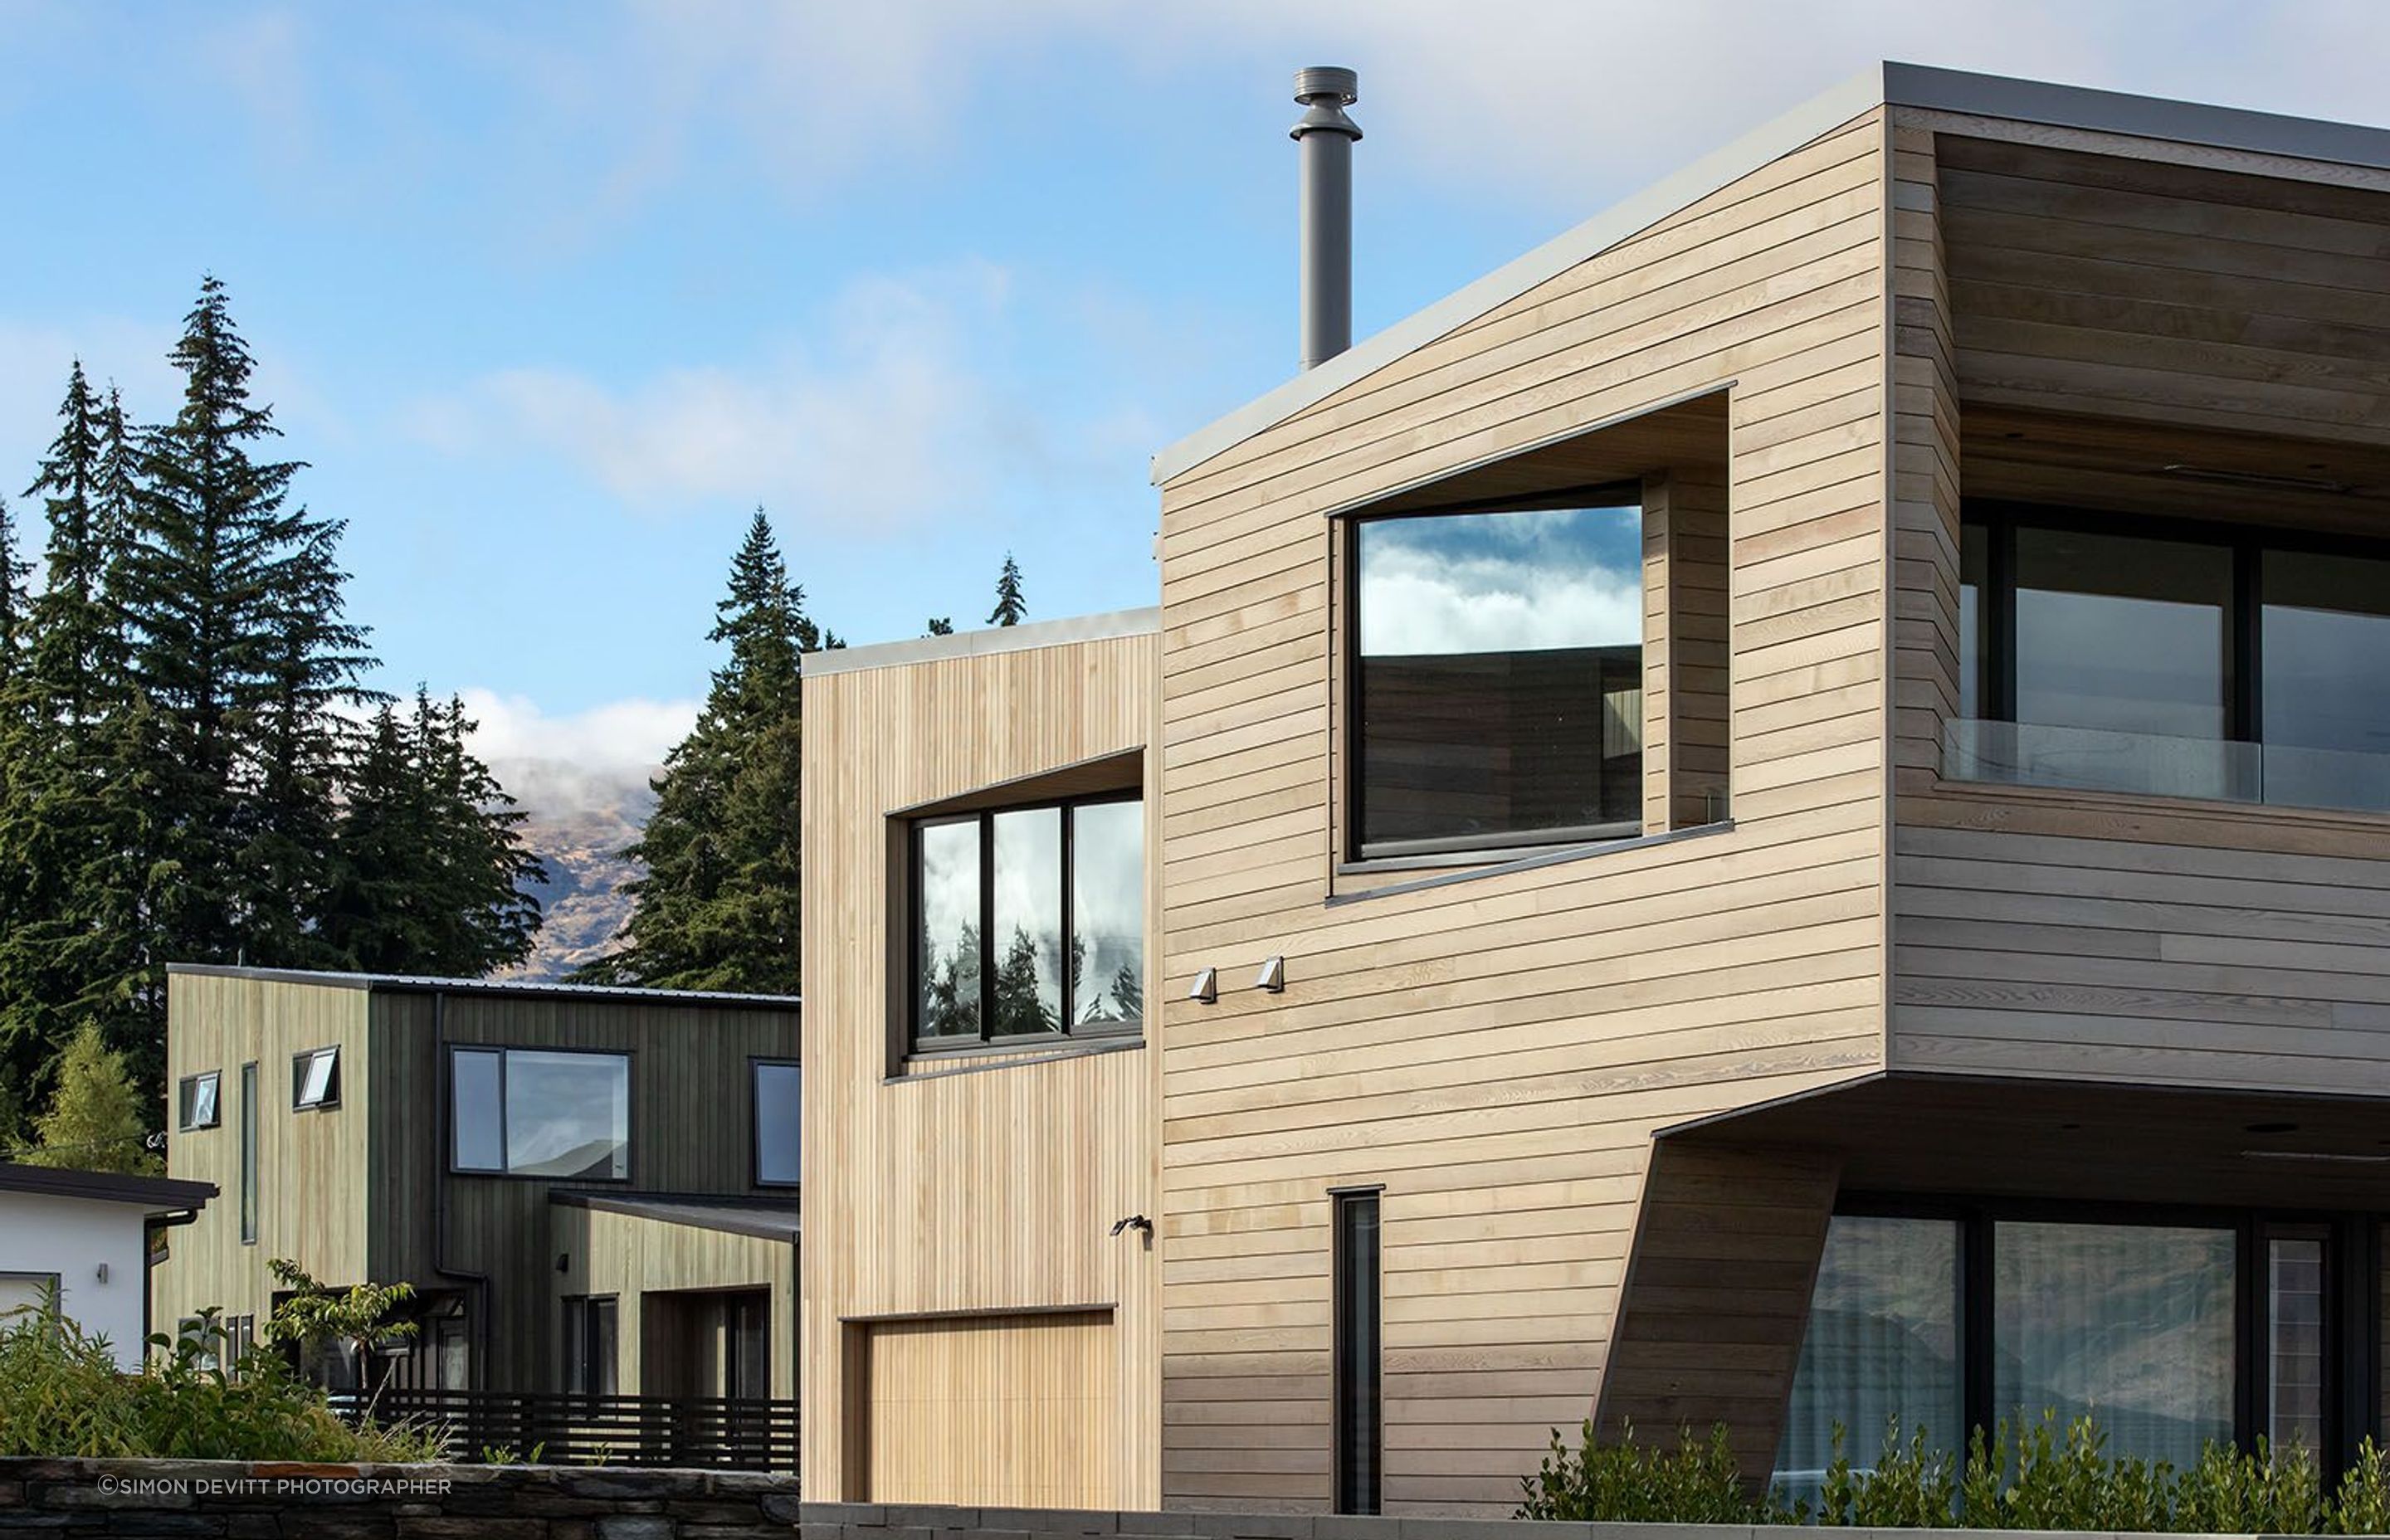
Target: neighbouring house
column 593, row 1190
column 86, row 1239
column 1776, row 814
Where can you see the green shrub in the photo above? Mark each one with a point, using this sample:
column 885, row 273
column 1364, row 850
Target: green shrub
column 2026, row 1476
column 1628, row 1482
column 62, row 1394
column 2362, row 1504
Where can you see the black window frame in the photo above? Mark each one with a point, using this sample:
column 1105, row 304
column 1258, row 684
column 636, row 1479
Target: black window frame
column 185, row 1090
column 987, row 1038
column 300, row 1063
column 247, row 1153
column 2244, row 702
column 630, row 1112
column 1459, row 848
column 1354, row 1377
column 580, row 1321
column 2352, row 1314
column 756, row 1065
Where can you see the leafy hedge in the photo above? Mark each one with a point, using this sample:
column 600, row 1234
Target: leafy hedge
column 2027, row 1477
column 61, row 1394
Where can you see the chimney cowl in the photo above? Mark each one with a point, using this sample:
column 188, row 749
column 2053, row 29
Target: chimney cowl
column 1324, row 138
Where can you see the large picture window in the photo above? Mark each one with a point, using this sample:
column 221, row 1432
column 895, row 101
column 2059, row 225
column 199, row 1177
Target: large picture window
column 1497, row 669
column 540, row 1113
column 2172, row 1331
column 1029, row 922
column 2108, row 653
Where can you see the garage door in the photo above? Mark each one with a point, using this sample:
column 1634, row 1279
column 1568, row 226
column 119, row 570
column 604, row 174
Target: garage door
column 1000, row 1411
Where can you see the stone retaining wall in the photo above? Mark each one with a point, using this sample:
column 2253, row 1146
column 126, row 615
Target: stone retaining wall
column 240, row 1501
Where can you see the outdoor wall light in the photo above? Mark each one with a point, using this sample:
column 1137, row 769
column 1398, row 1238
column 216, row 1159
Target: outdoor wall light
column 1207, row 987
column 1272, row 976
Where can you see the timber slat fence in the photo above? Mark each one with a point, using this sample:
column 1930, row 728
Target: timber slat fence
column 553, row 1428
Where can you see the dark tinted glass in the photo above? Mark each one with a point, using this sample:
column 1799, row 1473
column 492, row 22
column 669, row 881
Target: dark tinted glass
column 2122, row 633
column 779, row 1090
column 1499, row 663
column 1360, row 1435
column 947, row 950
column 568, row 1114
column 2327, row 653
column 478, row 1138
column 1974, row 582
column 2131, row 1324
column 247, row 1153
column 1108, row 912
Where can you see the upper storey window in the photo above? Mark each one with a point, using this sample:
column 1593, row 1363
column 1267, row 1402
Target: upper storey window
column 1029, row 922
column 2109, row 654
column 1498, row 663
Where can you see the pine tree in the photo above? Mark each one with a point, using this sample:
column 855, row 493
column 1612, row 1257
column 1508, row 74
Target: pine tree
column 238, row 656
column 13, row 603
column 54, row 836
column 94, row 1121
column 940, row 625
column 1010, row 607
column 718, row 904
column 431, row 869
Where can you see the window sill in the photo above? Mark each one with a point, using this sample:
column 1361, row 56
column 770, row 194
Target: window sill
column 1506, row 863
column 939, row 1063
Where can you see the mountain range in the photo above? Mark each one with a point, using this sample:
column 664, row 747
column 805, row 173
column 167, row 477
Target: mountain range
column 578, row 822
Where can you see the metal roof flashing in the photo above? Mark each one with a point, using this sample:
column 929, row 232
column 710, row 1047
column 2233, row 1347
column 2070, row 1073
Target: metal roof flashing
column 1879, row 84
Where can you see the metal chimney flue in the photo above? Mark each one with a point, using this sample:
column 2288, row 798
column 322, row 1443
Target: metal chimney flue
column 1324, row 138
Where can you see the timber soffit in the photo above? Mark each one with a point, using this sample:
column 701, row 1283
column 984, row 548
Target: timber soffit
column 1885, row 84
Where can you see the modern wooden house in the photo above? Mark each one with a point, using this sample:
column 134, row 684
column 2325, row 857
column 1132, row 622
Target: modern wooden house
column 1775, row 815
column 592, row 1190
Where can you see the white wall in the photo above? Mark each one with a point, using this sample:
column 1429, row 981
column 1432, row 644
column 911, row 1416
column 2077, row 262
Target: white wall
column 73, row 1237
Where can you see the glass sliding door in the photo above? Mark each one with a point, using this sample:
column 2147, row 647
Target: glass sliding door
column 1883, row 1346
column 2132, row 1324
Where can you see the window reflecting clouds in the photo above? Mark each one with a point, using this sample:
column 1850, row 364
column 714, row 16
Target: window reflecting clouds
column 948, row 949
column 1063, row 887
column 1500, row 667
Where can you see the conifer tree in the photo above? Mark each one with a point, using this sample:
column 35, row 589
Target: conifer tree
column 94, row 1121
column 54, row 836
column 13, row 605
column 1010, row 607
column 940, row 625
column 431, row 871
column 237, row 647
column 718, row 904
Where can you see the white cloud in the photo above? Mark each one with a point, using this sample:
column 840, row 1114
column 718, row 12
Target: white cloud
column 583, row 761
column 1527, row 93
column 891, row 419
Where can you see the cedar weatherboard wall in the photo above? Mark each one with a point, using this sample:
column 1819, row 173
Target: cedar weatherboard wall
column 2074, row 311
column 630, row 1257
column 1498, row 1052
column 349, row 1193
column 984, row 1183
column 313, row 1167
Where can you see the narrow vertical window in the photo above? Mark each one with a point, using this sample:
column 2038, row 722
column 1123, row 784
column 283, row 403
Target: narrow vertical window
column 2294, row 1345
column 249, row 1154
column 1357, row 1415
column 780, row 1099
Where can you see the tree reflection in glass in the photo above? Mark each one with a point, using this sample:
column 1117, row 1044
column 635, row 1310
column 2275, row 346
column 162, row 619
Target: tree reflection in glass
column 949, row 943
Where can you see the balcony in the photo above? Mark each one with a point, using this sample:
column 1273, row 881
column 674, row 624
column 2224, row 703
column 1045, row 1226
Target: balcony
column 2084, row 759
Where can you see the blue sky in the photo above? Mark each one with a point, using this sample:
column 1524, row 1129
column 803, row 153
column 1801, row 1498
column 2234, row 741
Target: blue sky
column 550, row 296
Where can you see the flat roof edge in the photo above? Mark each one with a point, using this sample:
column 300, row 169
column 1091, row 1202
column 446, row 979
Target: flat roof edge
column 407, row 984
column 2086, row 107
column 1886, row 83
column 986, row 642
column 157, row 1193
